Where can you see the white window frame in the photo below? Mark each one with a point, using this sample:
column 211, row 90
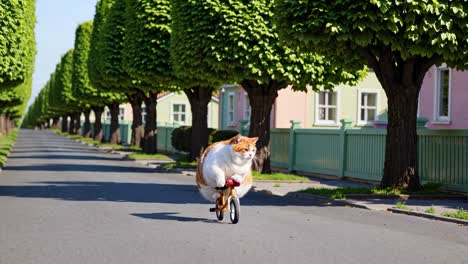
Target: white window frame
column 317, row 109
column 228, row 104
column 121, row 113
column 247, row 107
column 143, row 113
column 360, row 107
column 436, row 118
column 172, row 113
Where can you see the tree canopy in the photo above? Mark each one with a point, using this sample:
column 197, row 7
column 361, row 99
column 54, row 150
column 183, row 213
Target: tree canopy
column 17, row 44
column 400, row 41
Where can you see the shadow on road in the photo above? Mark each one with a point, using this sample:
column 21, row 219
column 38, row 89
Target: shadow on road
column 60, row 157
column 80, row 167
column 172, row 216
column 134, row 192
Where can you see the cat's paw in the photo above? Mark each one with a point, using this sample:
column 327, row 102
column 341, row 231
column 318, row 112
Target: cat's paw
column 237, row 178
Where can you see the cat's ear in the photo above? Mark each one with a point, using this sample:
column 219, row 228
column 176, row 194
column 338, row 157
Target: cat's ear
column 254, row 140
column 235, row 140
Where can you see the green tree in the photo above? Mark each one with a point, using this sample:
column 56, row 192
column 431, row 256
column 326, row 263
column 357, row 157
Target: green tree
column 400, row 41
column 83, row 89
column 16, row 23
column 61, row 97
column 146, row 57
column 236, row 41
column 188, row 53
column 104, row 73
column 18, row 50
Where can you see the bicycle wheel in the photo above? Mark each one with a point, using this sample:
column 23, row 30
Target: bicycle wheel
column 220, row 215
column 234, row 209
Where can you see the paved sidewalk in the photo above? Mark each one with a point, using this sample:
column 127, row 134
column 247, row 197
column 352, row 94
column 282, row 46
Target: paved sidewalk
column 439, row 206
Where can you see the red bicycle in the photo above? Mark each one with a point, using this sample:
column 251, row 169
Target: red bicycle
column 227, row 201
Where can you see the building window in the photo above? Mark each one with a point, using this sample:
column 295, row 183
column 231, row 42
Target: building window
column 247, row 108
column 230, row 109
column 327, row 108
column 179, row 113
column 442, row 95
column 143, row 114
column 367, row 108
column 121, row 113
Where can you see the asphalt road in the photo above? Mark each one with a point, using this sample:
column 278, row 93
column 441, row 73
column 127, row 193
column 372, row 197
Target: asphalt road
column 63, row 202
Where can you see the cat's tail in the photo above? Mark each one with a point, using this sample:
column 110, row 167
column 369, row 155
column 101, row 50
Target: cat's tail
column 199, row 174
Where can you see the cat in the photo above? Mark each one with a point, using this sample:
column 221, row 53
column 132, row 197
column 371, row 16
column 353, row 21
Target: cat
column 222, row 160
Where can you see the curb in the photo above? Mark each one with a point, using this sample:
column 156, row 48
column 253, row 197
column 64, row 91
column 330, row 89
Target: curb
column 322, row 199
column 429, row 216
column 406, row 196
column 285, row 181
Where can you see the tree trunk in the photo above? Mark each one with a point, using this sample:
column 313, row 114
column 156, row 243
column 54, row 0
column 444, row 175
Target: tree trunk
column 77, row 119
column 98, row 133
column 402, row 81
column 199, row 98
column 87, row 124
column 138, row 131
column 400, row 169
column 3, row 125
column 261, row 98
column 150, row 139
column 65, row 123
column 71, row 126
column 55, row 121
column 114, row 125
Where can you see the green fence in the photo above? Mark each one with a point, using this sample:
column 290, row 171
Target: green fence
column 360, row 153
column 125, row 131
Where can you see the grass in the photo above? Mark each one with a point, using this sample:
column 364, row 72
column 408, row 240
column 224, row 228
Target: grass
column 6, row 143
column 129, row 148
column 460, row 214
column 278, row 177
column 341, row 192
column 181, row 161
column 430, row 210
column 149, row 156
column 402, row 205
column 276, row 185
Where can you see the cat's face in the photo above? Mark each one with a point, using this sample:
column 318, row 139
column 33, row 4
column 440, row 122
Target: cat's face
column 244, row 147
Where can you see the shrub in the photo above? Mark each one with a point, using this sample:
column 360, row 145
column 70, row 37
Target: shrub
column 220, row 135
column 181, row 137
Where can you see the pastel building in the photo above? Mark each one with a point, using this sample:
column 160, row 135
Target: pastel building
column 364, row 104
column 443, row 98
column 173, row 109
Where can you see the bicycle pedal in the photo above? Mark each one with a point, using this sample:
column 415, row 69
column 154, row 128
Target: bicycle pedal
column 212, row 209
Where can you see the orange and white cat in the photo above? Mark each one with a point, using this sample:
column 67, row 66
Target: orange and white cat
column 229, row 159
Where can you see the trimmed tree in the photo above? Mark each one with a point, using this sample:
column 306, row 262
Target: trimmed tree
column 146, row 57
column 238, row 42
column 61, row 97
column 18, row 50
column 400, row 41
column 189, row 52
column 83, row 90
column 17, row 46
column 102, row 71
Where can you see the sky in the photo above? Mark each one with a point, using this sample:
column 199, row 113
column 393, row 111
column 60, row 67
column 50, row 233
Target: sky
column 57, row 21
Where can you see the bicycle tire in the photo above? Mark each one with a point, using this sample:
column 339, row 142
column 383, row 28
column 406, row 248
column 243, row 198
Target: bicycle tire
column 234, row 210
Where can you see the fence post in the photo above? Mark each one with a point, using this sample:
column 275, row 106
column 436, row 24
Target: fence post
column 242, row 128
column 345, row 124
column 292, row 144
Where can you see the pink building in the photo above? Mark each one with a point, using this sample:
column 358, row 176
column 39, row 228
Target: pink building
column 443, row 98
column 235, row 108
